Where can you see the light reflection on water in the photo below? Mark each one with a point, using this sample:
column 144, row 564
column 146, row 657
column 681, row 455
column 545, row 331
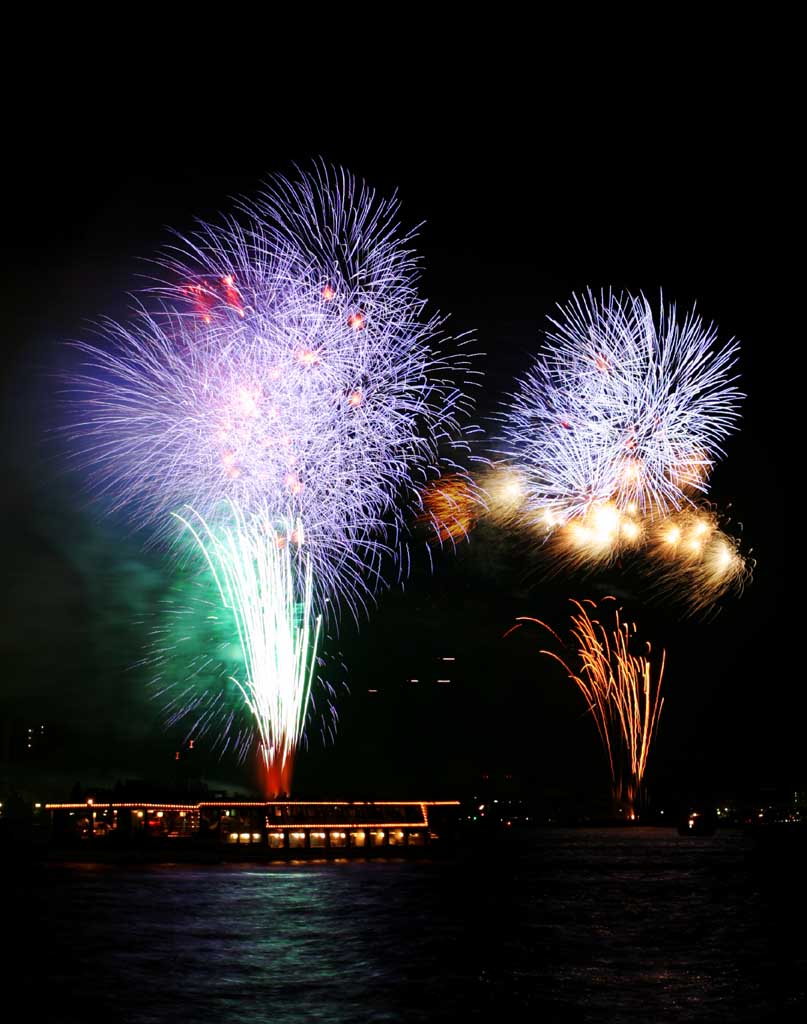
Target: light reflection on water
column 567, row 925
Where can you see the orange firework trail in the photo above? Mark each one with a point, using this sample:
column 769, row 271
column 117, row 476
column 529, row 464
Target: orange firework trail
column 622, row 691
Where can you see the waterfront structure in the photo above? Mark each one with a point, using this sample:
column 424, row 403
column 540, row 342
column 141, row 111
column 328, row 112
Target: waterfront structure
column 276, row 825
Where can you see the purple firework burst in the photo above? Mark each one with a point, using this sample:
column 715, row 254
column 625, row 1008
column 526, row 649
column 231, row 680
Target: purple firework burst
column 290, row 370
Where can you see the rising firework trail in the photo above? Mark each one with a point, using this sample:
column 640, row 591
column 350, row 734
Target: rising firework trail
column 264, row 579
column 289, row 381
column 622, row 691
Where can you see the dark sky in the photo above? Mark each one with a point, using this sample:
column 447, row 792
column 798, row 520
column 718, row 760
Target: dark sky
column 519, row 213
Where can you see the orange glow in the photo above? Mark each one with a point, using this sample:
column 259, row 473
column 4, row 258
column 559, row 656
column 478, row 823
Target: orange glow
column 328, row 293
column 355, row 399
column 275, row 778
column 696, row 560
column 632, row 471
column 692, row 473
column 356, row 321
column 308, row 357
column 451, row 507
column 598, row 537
column 605, row 519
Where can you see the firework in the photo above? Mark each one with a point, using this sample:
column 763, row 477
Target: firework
column 622, row 691
column 622, row 407
column 505, row 493
column 686, row 556
column 693, row 559
column 451, row 507
column 289, row 382
column 265, row 581
column 596, row 539
column 207, row 681
column 302, row 421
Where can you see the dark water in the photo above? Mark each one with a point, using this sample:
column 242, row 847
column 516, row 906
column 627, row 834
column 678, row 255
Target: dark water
column 577, row 925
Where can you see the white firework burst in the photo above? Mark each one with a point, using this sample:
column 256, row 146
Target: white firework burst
column 622, row 406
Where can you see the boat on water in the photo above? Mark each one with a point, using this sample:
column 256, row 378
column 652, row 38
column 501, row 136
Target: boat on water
column 245, row 829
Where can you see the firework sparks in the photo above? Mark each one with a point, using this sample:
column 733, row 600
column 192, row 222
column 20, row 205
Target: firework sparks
column 622, row 407
column 177, row 414
column 291, row 376
column 693, row 559
column 505, row 492
column 451, row 507
column 622, row 691
column 614, row 432
column 265, row 580
column 597, row 538
column 686, row 556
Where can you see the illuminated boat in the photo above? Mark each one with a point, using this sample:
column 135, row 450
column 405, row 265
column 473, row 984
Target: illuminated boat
column 274, row 828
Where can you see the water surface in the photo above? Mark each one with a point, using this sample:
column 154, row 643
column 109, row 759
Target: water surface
column 566, row 925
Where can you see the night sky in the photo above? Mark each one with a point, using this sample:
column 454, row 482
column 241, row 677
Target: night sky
column 510, row 230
